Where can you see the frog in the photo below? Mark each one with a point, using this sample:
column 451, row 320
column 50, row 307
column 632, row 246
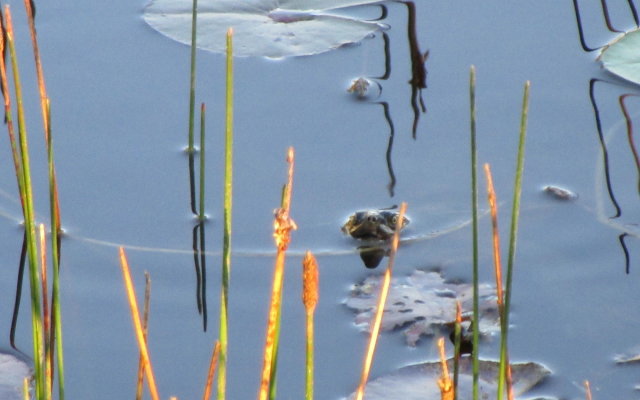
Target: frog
column 373, row 224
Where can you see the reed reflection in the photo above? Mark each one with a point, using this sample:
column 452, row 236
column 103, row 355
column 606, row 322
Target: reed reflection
column 617, row 218
column 199, row 262
column 418, row 82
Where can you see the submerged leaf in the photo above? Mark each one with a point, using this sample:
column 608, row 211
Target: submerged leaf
column 419, row 381
column 12, row 374
column 421, row 301
column 267, row 28
column 622, row 56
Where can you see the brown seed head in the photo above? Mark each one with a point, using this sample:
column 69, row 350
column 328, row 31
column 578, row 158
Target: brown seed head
column 309, row 282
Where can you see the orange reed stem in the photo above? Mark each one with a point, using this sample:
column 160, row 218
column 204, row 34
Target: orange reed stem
column 384, row 291
column 135, row 315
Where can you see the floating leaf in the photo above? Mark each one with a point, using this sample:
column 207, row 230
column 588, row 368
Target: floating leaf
column 267, row 28
column 12, row 374
column 421, row 301
column 622, row 56
column 419, row 381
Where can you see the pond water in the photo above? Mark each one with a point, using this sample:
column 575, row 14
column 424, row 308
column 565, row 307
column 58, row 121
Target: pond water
column 119, row 95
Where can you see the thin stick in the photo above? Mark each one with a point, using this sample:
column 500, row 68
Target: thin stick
column 283, row 225
column 310, row 300
column 493, row 205
column 382, row 298
column 226, row 246
column 474, row 211
column 212, row 371
column 145, row 330
column 444, row 382
column 515, row 215
column 135, row 315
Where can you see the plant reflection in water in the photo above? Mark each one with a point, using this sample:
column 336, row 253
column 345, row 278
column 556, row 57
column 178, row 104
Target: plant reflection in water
column 627, row 91
column 418, row 81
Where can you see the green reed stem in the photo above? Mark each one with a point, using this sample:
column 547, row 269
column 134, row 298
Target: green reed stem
column 201, row 215
column 226, row 247
column 515, row 215
column 192, row 74
column 55, row 240
column 36, row 312
column 474, row 212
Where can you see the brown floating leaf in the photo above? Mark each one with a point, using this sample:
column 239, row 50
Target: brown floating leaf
column 421, row 301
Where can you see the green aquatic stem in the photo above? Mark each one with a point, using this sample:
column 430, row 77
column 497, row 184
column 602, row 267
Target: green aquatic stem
column 192, row 75
column 56, row 318
column 226, row 247
column 201, row 215
column 474, row 211
column 515, row 215
column 29, row 216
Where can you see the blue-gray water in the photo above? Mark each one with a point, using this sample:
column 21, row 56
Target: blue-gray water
column 119, row 94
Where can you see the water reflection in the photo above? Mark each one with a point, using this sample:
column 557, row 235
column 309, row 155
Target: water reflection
column 617, row 218
column 418, row 82
column 198, row 242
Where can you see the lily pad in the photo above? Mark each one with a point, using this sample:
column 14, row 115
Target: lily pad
column 421, row 302
column 419, row 381
column 268, row 28
column 12, row 374
column 622, row 56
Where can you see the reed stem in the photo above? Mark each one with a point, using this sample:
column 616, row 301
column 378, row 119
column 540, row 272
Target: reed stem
column 283, row 225
column 135, row 316
column 515, row 215
column 474, row 211
column 382, row 299
column 201, row 214
column 192, row 75
column 226, row 247
column 36, row 312
column 310, row 300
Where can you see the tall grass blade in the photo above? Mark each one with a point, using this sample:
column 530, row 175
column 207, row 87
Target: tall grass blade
column 382, row 298
column 212, row 370
column 515, row 215
column 36, row 312
column 283, row 225
column 145, row 330
column 310, row 300
column 474, row 210
column 226, row 247
column 135, row 316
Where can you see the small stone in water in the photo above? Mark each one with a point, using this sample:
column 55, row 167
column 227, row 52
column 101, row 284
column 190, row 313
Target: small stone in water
column 560, row 193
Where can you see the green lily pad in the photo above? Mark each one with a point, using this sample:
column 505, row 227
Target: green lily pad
column 268, row 28
column 12, row 374
column 622, row 56
column 419, row 381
